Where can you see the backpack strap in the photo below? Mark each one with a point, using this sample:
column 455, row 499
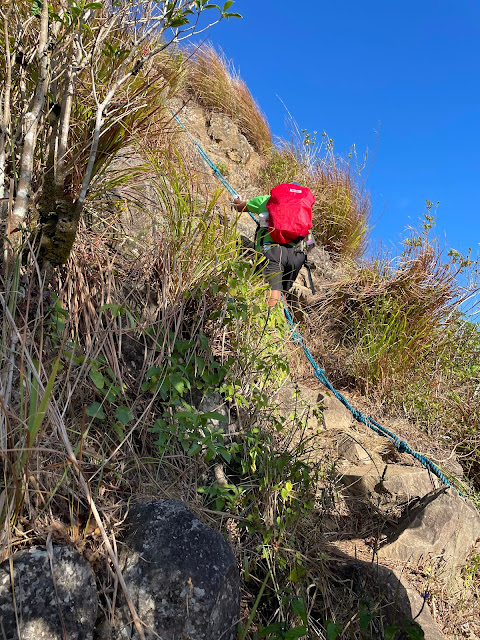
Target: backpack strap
column 310, row 279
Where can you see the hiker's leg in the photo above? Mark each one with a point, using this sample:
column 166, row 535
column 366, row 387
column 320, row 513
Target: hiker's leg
column 273, row 273
column 292, row 263
column 274, row 296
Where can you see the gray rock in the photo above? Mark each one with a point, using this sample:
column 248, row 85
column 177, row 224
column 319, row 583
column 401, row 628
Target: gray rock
column 350, row 449
column 214, row 402
column 388, row 484
column 442, row 529
column 335, row 415
column 321, row 265
column 225, row 132
column 46, row 604
column 296, row 402
column 181, row 575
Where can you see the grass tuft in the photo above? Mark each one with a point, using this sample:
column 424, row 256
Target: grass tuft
column 216, row 85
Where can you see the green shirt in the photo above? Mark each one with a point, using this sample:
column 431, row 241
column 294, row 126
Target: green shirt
column 258, row 205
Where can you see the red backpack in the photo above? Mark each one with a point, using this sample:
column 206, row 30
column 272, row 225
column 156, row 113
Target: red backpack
column 290, row 213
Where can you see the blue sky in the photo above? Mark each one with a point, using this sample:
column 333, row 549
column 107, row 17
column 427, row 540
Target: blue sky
column 407, row 71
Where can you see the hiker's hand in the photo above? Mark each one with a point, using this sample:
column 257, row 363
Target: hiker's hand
column 239, row 205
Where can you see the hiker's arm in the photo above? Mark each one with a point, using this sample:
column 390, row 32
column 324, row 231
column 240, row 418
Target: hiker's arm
column 239, row 205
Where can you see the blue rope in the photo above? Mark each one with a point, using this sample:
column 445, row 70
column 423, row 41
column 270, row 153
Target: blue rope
column 402, row 446
column 210, row 162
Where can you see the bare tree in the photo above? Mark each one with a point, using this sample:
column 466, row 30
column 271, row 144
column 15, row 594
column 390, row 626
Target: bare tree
column 66, row 65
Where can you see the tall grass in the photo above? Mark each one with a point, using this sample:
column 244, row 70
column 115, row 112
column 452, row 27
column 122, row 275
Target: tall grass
column 215, row 84
column 393, row 312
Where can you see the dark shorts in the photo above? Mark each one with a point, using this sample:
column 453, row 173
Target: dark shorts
column 282, row 266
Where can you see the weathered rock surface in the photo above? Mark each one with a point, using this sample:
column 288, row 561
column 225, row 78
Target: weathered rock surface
column 225, row 132
column 388, row 484
column 296, row 402
column 350, row 448
column 442, row 529
column 335, row 415
column 62, row 605
column 182, row 576
column 401, row 603
column 214, row 403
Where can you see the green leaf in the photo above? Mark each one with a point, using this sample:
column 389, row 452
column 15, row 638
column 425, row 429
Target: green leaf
column 194, row 449
column 214, row 415
column 97, row 378
column 123, row 415
column 95, row 411
column 333, row 630
column 364, row 619
column 298, row 608
column 178, row 22
column 178, row 383
column 227, row 5
column 390, row 632
column 116, row 309
column 36, row 8
column 415, row 631
column 232, row 15
column 294, row 634
column 93, row 5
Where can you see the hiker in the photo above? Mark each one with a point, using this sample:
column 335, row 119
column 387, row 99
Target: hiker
column 285, row 220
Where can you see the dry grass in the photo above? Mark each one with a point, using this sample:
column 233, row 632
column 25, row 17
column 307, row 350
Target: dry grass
column 216, row 86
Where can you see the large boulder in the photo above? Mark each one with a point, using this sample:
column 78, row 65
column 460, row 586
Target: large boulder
column 54, row 599
column 181, row 575
column 442, row 530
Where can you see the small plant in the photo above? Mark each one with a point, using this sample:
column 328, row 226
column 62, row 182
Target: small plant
column 223, row 169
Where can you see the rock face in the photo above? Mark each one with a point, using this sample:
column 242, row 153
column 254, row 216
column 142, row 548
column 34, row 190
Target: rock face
column 181, row 575
column 443, row 529
column 389, row 484
column 62, row 605
column 224, row 132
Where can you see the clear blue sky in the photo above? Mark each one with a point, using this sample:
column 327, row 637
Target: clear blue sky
column 408, row 70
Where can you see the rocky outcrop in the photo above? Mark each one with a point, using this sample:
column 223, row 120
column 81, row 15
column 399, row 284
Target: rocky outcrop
column 442, row 530
column 225, row 132
column 181, row 575
column 55, row 597
column 388, row 484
